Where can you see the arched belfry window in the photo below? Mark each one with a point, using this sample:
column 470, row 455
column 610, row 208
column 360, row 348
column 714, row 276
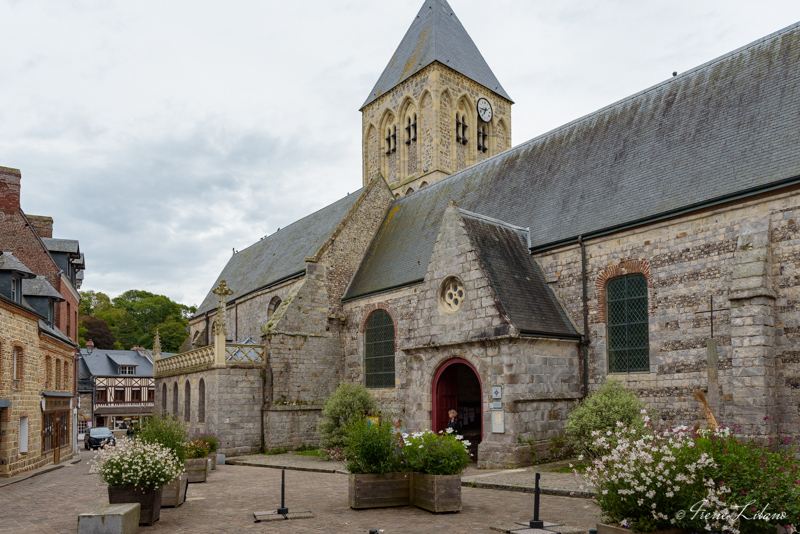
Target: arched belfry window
column 461, row 129
column 379, row 350
column 483, row 139
column 391, row 139
column 627, row 324
column 411, row 130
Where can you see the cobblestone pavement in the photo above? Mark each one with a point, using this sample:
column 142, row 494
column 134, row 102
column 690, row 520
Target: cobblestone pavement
column 51, row 503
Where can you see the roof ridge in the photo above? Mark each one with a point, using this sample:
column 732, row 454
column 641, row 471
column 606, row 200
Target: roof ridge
column 557, row 129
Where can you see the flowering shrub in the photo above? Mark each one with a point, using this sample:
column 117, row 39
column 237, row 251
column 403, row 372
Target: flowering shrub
column 702, row 481
column 209, row 439
column 197, row 449
column 335, row 454
column 167, row 430
column 436, row 454
column 373, row 448
column 133, row 463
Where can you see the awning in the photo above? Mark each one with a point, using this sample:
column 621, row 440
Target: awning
column 5, row 403
column 56, row 394
column 124, row 410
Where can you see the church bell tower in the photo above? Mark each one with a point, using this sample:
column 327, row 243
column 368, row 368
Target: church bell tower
column 436, row 109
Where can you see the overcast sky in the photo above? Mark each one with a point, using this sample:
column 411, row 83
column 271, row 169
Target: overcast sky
column 162, row 134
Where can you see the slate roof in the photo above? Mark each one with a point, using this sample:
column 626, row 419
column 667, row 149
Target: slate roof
column 9, row 262
column 517, row 281
column 281, row 254
column 436, row 34
column 719, row 130
column 102, row 362
column 61, row 245
column 54, row 332
column 40, row 287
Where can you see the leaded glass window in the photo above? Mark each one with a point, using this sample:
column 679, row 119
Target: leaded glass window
column 379, row 350
column 626, row 314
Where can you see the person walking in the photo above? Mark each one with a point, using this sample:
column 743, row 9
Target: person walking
column 453, row 423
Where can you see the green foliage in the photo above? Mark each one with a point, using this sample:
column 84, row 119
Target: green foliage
column 279, row 450
column 167, row 430
column 197, row 449
column 134, row 316
column 372, row 448
column 559, row 447
column 436, row 454
column 600, row 412
column 345, row 405
column 755, row 475
column 315, row 452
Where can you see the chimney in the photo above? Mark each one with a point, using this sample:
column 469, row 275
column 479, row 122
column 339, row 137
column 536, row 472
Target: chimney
column 42, row 224
column 9, row 190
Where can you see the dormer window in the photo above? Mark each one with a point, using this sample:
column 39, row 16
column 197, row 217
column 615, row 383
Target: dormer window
column 51, row 314
column 16, row 289
column 127, row 369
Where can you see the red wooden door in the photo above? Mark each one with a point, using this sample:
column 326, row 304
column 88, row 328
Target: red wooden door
column 447, row 397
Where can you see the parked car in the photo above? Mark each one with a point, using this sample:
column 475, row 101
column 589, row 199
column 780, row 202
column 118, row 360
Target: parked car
column 98, row 437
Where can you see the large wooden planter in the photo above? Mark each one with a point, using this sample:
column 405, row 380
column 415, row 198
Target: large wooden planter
column 197, row 468
column 602, row 528
column 436, row 493
column 174, row 493
column 380, row 491
column 149, row 500
column 212, row 456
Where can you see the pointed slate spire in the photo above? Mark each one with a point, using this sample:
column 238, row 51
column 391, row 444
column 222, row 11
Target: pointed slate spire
column 436, row 35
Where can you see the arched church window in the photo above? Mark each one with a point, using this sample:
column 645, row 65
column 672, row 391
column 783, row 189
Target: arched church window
column 461, row 129
column 627, row 324
column 201, row 401
column 391, row 139
column 187, row 403
column 273, row 306
column 175, row 399
column 379, row 350
column 164, row 398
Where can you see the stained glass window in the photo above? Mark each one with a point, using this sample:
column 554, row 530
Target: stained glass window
column 627, row 320
column 379, row 350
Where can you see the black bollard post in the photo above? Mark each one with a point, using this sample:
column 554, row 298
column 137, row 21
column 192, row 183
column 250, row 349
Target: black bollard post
column 535, row 522
column 283, row 510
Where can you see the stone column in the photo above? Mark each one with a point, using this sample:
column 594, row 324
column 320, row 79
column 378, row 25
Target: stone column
column 220, row 330
column 752, row 300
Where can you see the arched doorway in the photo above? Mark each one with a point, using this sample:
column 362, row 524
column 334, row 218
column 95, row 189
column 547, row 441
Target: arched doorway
column 457, row 386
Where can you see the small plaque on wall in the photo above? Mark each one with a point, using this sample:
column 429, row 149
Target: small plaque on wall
column 498, row 422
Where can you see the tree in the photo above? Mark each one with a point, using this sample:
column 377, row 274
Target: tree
column 98, row 331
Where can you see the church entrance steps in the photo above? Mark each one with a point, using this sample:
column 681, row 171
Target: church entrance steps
column 517, row 480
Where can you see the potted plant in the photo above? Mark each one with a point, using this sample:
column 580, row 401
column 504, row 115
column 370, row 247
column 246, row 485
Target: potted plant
column 197, row 461
column 213, row 443
column 171, row 433
column 437, row 461
column 136, row 471
column 375, row 465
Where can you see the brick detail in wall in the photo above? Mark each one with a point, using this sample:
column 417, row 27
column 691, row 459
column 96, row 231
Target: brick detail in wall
column 622, row 268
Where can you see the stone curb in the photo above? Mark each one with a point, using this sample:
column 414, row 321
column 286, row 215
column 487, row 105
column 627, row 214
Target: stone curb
column 40, row 471
column 528, row 489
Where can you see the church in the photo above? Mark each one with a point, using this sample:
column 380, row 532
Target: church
column 654, row 241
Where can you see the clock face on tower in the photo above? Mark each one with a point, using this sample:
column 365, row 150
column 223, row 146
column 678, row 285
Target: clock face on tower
column 484, row 110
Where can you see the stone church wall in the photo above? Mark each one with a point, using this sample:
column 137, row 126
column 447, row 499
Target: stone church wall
column 233, row 405
column 687, row 260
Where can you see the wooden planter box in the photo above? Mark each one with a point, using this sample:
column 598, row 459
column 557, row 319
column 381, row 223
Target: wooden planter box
column 602, row 528
column 436, row 493
column 174, row 493
column 212, row 456
column 197, row 468
column 379, row 491
column 149, row 500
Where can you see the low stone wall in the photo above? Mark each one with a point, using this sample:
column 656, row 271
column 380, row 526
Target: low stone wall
column 291, row 426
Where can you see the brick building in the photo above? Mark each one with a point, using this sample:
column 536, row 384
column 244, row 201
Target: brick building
column 39, row 278
column 509, row 282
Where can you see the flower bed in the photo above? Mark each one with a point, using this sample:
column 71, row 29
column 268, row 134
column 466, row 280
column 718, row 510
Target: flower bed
column 699, row 481
column 133, row 463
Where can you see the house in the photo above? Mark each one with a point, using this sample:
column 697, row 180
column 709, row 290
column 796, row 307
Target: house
column 507, row 282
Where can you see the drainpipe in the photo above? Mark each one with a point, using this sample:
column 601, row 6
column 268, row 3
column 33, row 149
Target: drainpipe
column 585, row 337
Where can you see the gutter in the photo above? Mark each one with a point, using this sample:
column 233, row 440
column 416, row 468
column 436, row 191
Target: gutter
column 548, row 335
column 384, row 290
column 671, row 213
